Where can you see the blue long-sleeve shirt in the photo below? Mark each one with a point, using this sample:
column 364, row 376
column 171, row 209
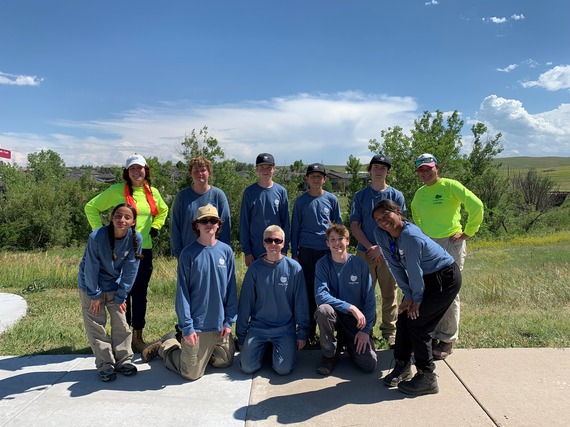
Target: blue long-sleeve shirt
column 98, row 272
column 343, row 285
column 206, row 294
column 363, row 203
column 183, row 212
column 418, row 255
column 312, row 215
column 273, row 300
column 260, row 208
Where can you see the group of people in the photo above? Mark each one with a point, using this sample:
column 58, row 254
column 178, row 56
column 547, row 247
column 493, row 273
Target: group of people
column 282, row 300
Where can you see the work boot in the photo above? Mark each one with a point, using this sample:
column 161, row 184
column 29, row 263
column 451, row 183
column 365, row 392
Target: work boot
column 402, row 371
column 138, row 342
column 442, row 350
column 422, row 383
column 327, row 365
column 150, row 351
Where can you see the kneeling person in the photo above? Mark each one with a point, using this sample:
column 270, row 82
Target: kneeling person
column 273, row 308
column 206, row 303
column 346, row 304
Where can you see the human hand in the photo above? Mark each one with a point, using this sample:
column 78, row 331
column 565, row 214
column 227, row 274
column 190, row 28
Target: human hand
column 225, row 332
column 123, row 307
column 458, row 236
column 248, row 260
column 374, row 253
column 301, row 344
column 153, row 232
column 191, row 339
column 414, row 310
column 95, row 306
column 404, row 305
column 360, row 318
column 361, row 342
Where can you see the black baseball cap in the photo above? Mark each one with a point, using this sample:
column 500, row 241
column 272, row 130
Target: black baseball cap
column 382, row 159
column 316, row 167
column 264, row 159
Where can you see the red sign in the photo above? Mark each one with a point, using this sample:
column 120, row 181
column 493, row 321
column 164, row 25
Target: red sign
column 7, row 154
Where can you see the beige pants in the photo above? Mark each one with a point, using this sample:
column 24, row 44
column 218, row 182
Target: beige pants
column 190, row 361
column 388, row 289
column 110, row 351
column 447, row 330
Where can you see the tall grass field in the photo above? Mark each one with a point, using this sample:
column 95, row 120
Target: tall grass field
column 515, row 294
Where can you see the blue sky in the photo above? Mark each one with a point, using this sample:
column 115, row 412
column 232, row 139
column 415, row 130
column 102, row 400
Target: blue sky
column 311, row 80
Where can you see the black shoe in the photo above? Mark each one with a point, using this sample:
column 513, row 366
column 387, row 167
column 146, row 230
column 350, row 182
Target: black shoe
column 128, row 369
column 107, row 375
column 402, row 371
column 422, row 383
column 327, row 365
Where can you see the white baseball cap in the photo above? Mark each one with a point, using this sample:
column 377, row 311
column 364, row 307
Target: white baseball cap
column 135, row 159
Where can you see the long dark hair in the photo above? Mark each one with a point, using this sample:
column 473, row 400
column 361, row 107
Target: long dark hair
column 388, row 205
column 111, row 231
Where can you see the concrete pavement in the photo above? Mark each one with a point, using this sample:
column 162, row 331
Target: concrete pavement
column 482, row 387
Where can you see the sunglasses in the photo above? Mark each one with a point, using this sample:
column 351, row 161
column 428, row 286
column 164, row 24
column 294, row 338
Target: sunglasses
column 208, row 221
column 394, row 252
column 425, row 160
column 269, row 241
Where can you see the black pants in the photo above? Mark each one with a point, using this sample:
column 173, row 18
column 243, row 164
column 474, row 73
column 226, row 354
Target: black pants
column 413, row 336
column 308, row 259
column 136, row 300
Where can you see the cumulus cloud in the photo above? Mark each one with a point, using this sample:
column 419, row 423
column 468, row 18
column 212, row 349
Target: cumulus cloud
column 525, row 134
column 495, row 20
column 325, row 128
column 517, row 17
column 555, row 79
column 431, row 3
column 508, row 68
column 19, row 80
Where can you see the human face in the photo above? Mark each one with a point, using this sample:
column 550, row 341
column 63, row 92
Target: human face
column 379, row 171
column 273, row 249
column 265, row 171
column 315, row 180
column 427, row 174
column 137, row 173
column 389, row 221
column 200, row 174
column 123, row 219
column 337, row 243
column 208, row 225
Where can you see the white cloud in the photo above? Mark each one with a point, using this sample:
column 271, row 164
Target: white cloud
column 431, row 3
column 555, row 79
column 525, row 134
column 19, row 80
column 508, row 68
column 517, row 17
column 324, row 127
column 495, row 20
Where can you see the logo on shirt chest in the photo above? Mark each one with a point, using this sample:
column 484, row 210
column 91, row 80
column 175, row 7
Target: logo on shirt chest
column 438, row 199
column 353, row 280
column 276, row 203
column 283, row 281
column 221, row 263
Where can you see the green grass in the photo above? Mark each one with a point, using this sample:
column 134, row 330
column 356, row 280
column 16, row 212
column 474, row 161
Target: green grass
column 515, row 293
column 557, row 168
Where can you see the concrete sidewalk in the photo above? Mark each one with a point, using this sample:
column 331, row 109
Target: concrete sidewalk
column 507, row 387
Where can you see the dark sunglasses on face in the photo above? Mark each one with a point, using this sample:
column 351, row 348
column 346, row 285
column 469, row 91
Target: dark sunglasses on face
column 394, row 252
column 269, row 241
column 209, row 220
column 426, row 160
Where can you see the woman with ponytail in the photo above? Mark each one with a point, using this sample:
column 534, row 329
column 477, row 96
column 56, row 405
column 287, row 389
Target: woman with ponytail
column 106, row 275
column 152, row 211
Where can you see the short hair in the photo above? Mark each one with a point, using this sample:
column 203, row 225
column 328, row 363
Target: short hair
column 200, row 162
column 339, row 229
column 274, row 229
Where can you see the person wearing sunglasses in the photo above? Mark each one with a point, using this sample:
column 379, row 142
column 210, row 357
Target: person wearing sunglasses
column 263, row 203
column 206, row 303
column 187, row 201
column 273, row 308
column 430, row 280
column 436, row 210
column 346, row 304
column 362, row 227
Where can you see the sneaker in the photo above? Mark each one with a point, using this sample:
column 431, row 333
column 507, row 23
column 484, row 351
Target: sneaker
column 150, row 351
column 422, row 383
column 327, row 365
column 107, row 375
column 442, row 350
column 402, row 371
column 128, row 369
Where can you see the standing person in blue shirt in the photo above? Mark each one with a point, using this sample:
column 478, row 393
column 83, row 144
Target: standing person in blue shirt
column 187, row 202
column 313, row 212
column 206, row 303
column 362, row 226
column 272, row 308
column 106, row 275
column 429, row 279
column 346, row 304
column 263, row 204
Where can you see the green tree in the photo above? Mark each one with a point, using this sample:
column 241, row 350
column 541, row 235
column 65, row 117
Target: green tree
column 201, row 144
column 355, row 184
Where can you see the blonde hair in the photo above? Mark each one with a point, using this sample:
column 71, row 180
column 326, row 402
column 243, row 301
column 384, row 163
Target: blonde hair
column 274, row 229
